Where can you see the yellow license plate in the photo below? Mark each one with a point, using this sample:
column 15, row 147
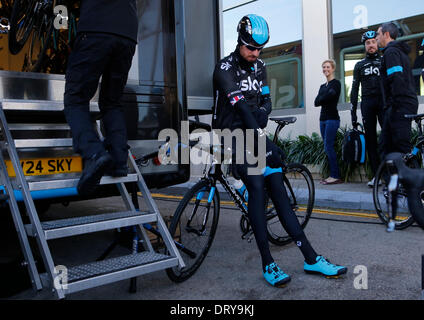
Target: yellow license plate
column 47, row 166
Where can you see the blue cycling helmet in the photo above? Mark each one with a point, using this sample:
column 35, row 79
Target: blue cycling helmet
column 368, row 35
column 253, row 30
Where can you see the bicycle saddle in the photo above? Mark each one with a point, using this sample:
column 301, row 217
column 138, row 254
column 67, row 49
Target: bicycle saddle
column 415, row 117
column 193, row 125
column 411, row 178
column 284, row 120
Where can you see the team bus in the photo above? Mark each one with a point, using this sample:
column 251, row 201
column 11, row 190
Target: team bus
column 170, row 80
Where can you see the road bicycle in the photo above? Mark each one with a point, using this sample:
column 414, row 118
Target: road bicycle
column 196, row 217
column 381, row 193
column 412, row 181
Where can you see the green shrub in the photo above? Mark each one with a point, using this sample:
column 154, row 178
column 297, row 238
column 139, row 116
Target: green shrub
column 310, row 150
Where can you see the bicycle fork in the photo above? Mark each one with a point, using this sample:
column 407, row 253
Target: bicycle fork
column 199, row 198
column 392, row 195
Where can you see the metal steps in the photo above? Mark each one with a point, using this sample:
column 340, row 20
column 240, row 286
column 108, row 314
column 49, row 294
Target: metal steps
column 88, row 224
column 107, row 271
column 92, row 274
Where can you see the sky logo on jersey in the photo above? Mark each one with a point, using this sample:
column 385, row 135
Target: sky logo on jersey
column 236, row 99
column 249, row 85
column 372, row 71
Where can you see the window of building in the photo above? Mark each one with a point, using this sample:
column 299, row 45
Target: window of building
column 283, row 53
column 351, row 18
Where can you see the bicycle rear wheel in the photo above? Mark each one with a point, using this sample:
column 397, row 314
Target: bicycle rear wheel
column 380, row 198
column 301, row 191
column 193, row 226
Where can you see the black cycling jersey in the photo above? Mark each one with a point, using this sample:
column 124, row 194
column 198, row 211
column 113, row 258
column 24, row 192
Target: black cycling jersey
column 236, row 82
column 366, row 74
column 109, row 16
column 397, row 78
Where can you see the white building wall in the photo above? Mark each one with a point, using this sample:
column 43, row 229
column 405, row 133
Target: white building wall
column 316, row 43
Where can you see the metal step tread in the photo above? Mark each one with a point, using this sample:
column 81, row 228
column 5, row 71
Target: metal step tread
column 73, row 182
column 39, row 105
column 65, row 223
column 43, row 143
column 100, row 268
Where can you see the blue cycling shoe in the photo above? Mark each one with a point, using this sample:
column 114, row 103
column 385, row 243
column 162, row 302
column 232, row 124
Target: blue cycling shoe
column 325, row 268
column 275, row 276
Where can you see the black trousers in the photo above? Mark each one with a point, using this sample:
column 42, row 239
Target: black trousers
column 372, row 111
column 98, row 55
column 397, row 130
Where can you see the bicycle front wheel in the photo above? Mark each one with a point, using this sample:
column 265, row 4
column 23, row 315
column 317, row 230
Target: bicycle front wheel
column 381, row 196
column 193, row 227
column 301, row 191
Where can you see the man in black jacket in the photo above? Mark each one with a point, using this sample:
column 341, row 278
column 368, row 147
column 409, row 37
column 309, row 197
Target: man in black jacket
column 400, row 97
column 367, row 74
column 104, row 47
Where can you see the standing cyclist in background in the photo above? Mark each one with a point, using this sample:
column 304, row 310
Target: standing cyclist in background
column 243, row 102
column 400, row 97
column 367, row 74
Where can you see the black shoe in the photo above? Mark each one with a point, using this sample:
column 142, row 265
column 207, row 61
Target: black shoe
column 94, row 169
column 121, row 171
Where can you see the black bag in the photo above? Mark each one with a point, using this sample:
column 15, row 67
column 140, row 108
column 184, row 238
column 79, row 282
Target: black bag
column 353, row 150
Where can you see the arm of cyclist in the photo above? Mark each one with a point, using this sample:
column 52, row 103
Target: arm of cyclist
column 264, row 109
column 354, row 94
column 396, row 82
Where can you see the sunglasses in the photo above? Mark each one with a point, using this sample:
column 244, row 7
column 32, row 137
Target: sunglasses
column 252, row 48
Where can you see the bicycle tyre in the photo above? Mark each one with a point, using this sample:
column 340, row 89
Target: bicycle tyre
column 193, row 240
column 416, row 206
column 380, row 192
column 42, row 37
column 275, row 231
column 20, row 27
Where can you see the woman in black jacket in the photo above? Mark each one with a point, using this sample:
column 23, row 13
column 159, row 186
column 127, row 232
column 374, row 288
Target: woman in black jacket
column 328, row 98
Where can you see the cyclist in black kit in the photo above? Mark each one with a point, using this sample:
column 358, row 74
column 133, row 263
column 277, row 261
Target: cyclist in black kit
column 367, row 74
column 399, row 93
column 243, row 102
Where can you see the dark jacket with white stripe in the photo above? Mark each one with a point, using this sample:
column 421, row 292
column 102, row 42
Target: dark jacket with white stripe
column 397, row 78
